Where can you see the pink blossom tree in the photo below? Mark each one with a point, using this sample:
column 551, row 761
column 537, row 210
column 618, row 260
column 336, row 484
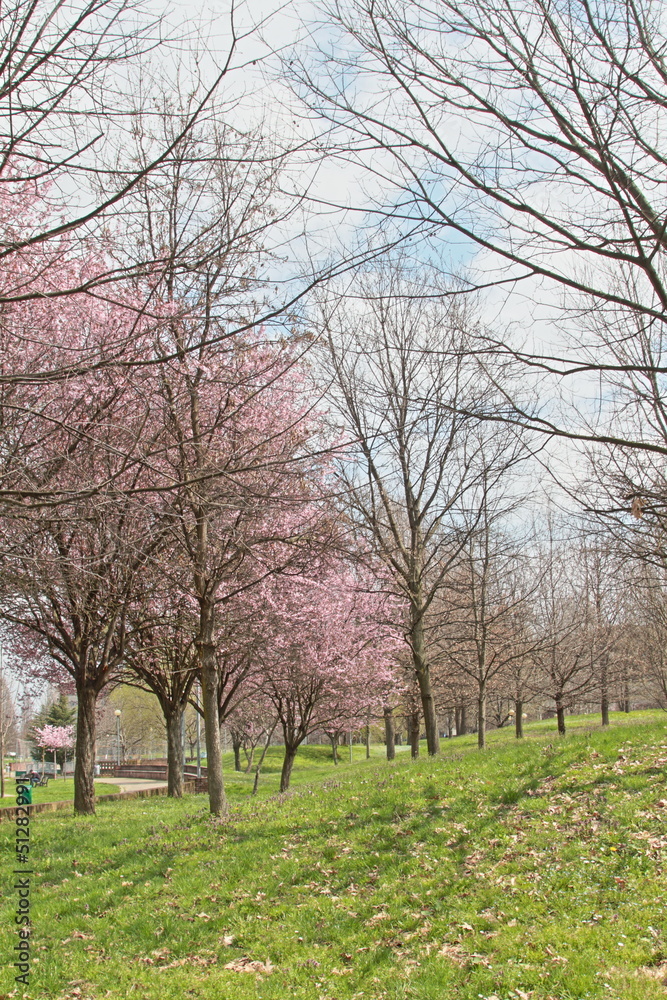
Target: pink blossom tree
column 55, row 738
column 73, row 534
column 328, row 656
column 237, row 459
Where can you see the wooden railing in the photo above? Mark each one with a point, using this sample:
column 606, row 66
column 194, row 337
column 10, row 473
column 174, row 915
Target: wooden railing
column 150, row 772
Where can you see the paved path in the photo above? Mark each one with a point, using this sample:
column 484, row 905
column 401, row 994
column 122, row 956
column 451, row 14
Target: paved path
column 131, row 784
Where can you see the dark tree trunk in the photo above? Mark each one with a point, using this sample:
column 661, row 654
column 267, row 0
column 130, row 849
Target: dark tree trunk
column 84, row 767
column 236, row 747
column 626, row 697
column 175, row 754
column 481, row 719
column 209, row 689
column 518, row 718
column 413, row 733
column 368, row 741
column 462, row 728
column 334, row 748
column 389, row 733
column 288, row 764
column 423, row 673
column 560, row 715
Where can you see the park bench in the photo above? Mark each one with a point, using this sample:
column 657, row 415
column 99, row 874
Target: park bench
column 35, row 779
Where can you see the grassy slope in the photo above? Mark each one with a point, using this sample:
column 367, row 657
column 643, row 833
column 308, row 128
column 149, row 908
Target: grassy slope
column 533, row 869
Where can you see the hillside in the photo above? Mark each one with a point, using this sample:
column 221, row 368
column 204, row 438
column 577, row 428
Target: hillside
column 533, row 869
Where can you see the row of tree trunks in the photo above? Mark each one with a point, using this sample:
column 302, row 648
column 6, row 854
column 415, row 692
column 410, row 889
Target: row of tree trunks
column 460, row 720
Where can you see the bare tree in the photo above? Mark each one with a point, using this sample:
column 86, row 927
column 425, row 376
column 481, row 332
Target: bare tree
column 399, row 379
column 602, row 581
column 67, row 83
column 563, row 619
column 643, row 645
column 474, row 625
column 534, row 133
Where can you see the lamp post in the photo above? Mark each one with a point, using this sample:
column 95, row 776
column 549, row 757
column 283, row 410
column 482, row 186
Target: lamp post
column 117, row 713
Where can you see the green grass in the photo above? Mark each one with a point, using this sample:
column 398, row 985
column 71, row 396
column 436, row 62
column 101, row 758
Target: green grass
column 57, row 790
column 314, row 764
column 533, row 869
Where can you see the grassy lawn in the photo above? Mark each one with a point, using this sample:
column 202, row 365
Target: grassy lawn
column 57, row 790
column 533, row 869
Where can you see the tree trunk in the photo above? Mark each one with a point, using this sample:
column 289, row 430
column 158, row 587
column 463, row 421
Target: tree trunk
column 518, row 718
column 413, row 729
column 423, row 673
column 626, row 697
column 560, row 715
column 389, row 733
column 604, row 710
column 368, row 741
column 209, row 687
column 288, row 764
column 251, row 757
column 236, row 747
column 481, row 718
column 463, row 728
column 334, row 748
column 175, row 754
column 604, row 689
column 84, row 767
column 261, row 759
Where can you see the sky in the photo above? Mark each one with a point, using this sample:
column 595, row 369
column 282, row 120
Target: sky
column 529, row 312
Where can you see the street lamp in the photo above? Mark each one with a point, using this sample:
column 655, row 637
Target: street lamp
column 117, row 713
